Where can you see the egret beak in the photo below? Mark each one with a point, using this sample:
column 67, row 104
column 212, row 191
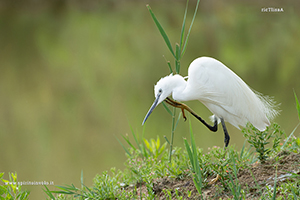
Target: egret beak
column 152, row 108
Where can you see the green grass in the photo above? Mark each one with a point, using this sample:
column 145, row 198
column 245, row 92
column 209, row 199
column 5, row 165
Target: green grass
column 190, row 163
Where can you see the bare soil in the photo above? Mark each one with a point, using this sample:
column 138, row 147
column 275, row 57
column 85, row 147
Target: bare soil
column 253, row 179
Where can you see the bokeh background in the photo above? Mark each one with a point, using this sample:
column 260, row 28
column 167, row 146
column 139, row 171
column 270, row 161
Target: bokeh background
column 74, row 75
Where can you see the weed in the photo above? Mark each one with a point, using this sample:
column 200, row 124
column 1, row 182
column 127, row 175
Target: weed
column 154, row 147
column 260, row 139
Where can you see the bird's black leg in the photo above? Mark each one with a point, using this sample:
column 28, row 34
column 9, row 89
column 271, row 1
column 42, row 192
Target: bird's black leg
column 212, row 128
column 226, row 141
column 183, row 106
column 226, row 138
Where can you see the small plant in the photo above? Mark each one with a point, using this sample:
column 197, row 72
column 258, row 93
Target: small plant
column 260, row 139
column 192, row 153
column 154, row 147
column 11, row 189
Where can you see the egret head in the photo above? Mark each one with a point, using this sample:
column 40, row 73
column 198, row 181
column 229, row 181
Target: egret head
column 162, row 90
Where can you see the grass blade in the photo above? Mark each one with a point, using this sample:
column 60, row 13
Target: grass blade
column 172, row 134
column 294, row 194
column 297, row 104
column 128, row 142
column 162, row 31
column 292, row 133
column 188, row 34
column 134, row 136
column 177, row 61
column 168, row 110
column 275, row 185
column 177, row 120
column 169, row 65
column 48, row 192
column 183, row 25
column 123, row 147
column 195, row 163
column 188, row 149
column 242, row 151
column 81, row 180
column 167, row 140
column 141, row 145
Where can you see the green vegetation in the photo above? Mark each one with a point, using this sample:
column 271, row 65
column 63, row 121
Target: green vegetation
column 11, row 189
column 259, row 139
column 71, row 71
column 146, row 169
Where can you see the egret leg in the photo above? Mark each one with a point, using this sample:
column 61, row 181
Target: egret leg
column 185, row 107
column 226, row 138
column 226, row 141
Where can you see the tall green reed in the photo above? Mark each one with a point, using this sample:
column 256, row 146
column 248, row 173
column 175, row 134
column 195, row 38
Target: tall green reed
column 177, row 53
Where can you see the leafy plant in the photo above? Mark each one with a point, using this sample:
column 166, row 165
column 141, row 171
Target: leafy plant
column 11, row 188
column 154, row 147
column 260, row 139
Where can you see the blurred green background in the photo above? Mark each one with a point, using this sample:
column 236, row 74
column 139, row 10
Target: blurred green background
column 74, row 75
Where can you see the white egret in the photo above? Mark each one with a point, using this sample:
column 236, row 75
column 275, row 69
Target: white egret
column 224, row 93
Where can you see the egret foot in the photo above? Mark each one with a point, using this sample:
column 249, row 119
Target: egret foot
column 185, row 107
column 178, row 105
column 213, row 181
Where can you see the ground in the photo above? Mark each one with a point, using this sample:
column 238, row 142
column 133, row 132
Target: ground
column 252, row 179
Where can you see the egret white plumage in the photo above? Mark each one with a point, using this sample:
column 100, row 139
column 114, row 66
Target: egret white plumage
column 223, row 92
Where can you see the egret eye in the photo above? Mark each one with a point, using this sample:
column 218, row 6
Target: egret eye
column 160, row 91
